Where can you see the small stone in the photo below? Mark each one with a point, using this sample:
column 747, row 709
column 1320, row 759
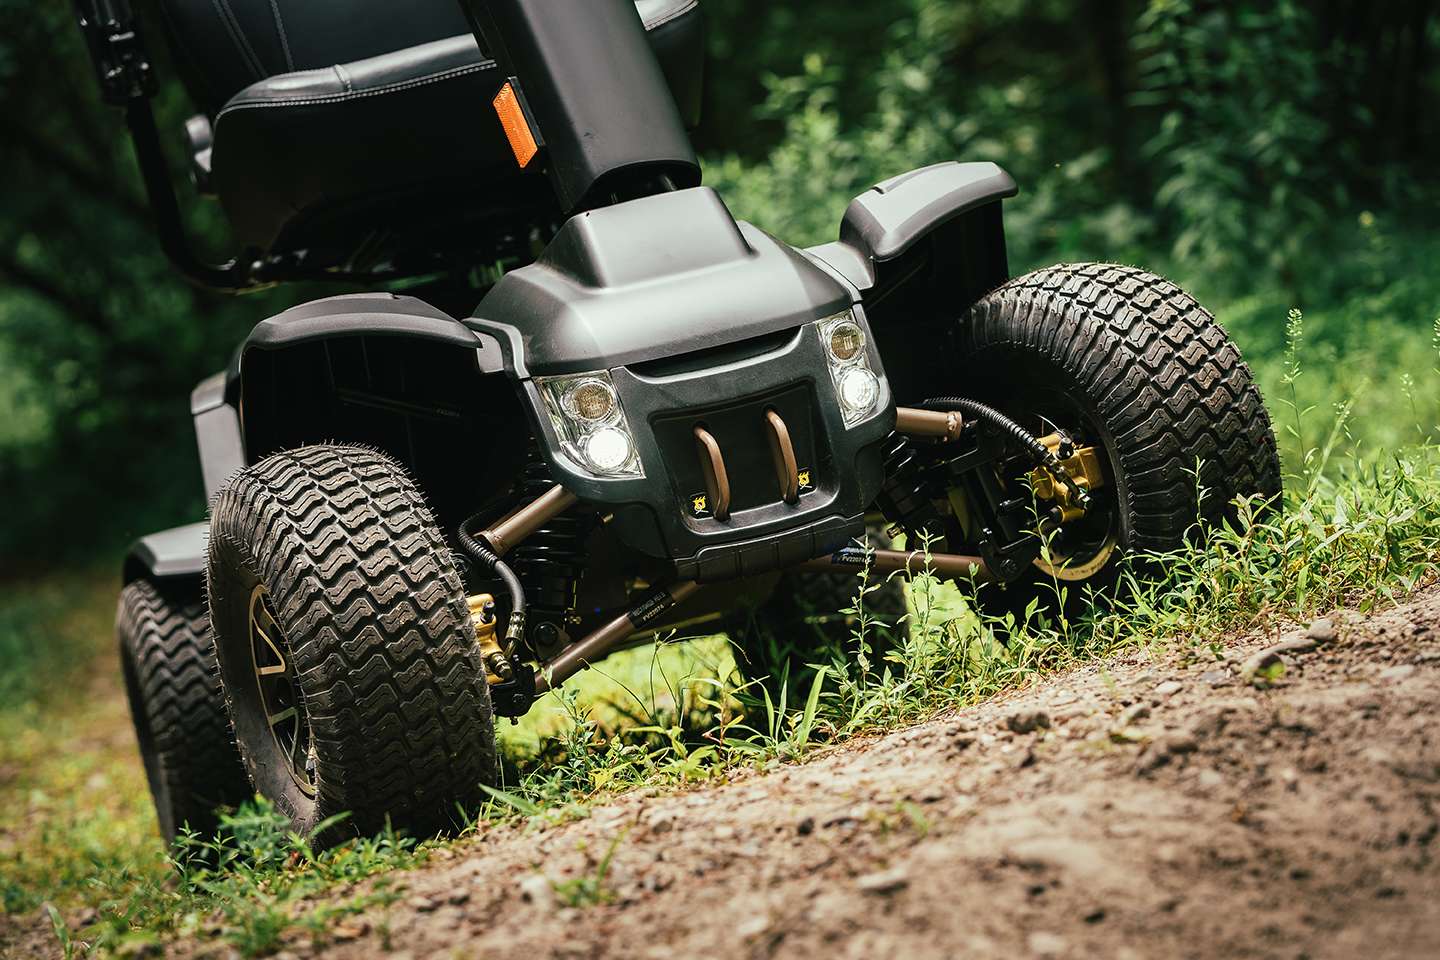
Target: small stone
column 1296, row 645
column 1168, row 688
column 347, row 930
column 753, row 927
column 1130, row 715
column 805, row 827
column 423, row 904
column 1216, row 678
column 537, row 890
column 458, row 897
column 1177, row 742
column 1028, row 721
column 1397, row 672
column 1044, row 944
column 884, row 882
column 1095, row 916
column 1262, row 668
column 1128, row 735
column 1157, row 753
column 724, row 832
column 1321, row 630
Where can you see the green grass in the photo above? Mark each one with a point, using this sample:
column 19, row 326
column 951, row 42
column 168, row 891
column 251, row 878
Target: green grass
column 1354, row 387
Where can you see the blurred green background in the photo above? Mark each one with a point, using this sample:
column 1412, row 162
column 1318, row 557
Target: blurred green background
column 1266, row 154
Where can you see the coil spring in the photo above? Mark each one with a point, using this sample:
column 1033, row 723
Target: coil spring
column 551, row 560
column 906, row 497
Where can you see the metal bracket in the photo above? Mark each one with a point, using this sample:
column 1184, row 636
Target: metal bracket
column 513, row 697
column 117, row 50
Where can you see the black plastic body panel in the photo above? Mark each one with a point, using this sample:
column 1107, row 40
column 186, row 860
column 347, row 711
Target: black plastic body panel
column 650, row 512
column 367, row 314
column 217, row 432
column 698, row 319
column 595, row 88
column 169, row 554
column 887, row 220
column 393, row 373
column 656, row 277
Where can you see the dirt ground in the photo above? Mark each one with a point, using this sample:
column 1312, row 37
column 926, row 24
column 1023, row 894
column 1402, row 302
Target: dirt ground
column 1142, row 807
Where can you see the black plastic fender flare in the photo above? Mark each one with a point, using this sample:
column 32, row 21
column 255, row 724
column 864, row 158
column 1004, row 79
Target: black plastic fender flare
column 887, row 221
column 177, row 553
column 215, row 402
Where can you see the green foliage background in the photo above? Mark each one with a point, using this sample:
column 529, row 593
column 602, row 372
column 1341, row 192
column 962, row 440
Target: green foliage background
column 1266, row 153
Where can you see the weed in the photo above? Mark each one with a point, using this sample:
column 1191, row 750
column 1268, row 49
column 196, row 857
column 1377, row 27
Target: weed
column 589, row 889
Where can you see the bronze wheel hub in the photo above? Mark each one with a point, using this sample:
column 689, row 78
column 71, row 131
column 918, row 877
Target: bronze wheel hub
column 279, row 691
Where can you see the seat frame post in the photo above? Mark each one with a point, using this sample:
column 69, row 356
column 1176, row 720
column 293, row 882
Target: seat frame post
column 591, row 83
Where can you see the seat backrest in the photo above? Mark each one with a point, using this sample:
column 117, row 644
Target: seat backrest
column 226, row 45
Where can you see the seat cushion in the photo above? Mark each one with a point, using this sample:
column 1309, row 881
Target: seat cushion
column 402, row 138
column 226, row 45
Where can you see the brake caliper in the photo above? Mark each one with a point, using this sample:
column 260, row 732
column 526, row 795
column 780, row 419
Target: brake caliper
column 1081, row 464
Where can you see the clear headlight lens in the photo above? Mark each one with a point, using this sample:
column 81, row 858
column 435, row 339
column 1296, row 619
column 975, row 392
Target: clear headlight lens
column 856, row 385
column 586, row 414
column 844, row 340
column 858, row 389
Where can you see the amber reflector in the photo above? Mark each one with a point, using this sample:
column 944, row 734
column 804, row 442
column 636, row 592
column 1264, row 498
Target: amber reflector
column 517, row 131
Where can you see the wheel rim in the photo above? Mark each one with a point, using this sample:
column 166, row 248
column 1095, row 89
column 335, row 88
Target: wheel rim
column 279, row 691
column 1080, row 548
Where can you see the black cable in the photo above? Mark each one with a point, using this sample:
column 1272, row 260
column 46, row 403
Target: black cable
column 515, row 627
column 1041, row 454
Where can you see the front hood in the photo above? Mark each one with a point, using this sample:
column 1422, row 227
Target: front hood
column 651, row 278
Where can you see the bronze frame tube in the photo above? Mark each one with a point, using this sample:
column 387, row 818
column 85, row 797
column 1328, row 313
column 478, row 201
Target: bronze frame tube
column 515, row 526
column 604, row 640
column 717, row 479
column 912, row 562
column 914, row 422
column 782, row 451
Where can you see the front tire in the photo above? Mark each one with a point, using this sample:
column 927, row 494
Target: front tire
column 1142, row 371
column 346, row 650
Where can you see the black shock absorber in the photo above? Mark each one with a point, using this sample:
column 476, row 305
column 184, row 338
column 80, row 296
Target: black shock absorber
column 550, row 563
column 907, row 497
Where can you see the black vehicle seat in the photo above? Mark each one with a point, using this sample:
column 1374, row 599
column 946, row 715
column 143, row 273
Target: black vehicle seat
column 367, row 123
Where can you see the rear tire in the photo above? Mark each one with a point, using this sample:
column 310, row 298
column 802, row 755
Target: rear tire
column 1145, row 369
column 167, row 658
column 358, row 687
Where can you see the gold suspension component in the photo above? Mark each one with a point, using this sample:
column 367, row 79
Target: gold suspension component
column 482, row 614
column 1083, row 465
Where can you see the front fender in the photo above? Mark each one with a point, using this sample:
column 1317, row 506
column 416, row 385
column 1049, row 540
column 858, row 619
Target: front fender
column 893, row 217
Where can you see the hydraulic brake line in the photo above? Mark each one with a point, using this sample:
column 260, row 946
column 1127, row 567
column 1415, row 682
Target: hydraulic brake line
column 1041, row 454
column 515, row 626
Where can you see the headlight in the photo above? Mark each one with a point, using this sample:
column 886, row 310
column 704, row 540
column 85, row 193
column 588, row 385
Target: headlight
column 586, row 414
column 856, row 385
